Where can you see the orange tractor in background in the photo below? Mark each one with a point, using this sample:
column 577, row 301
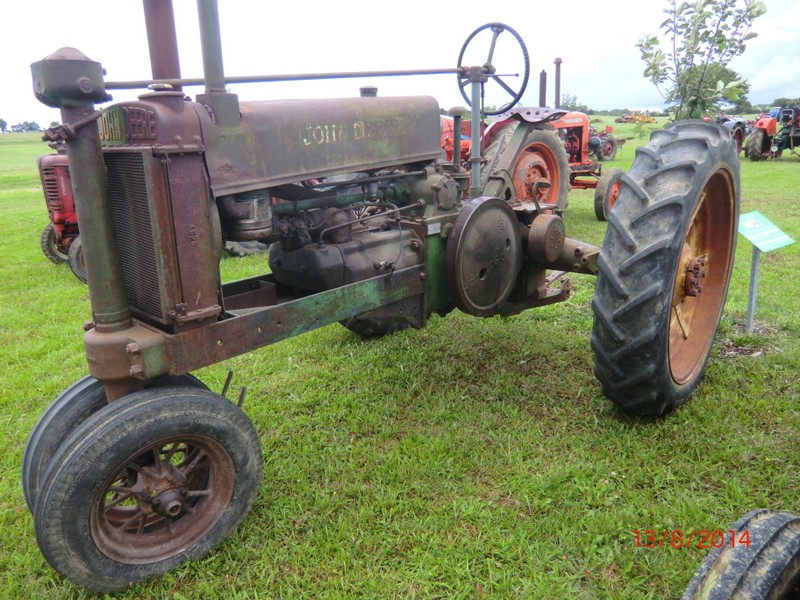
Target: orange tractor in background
column 566, row 155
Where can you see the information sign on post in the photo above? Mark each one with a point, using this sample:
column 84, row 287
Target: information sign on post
column 765, row 237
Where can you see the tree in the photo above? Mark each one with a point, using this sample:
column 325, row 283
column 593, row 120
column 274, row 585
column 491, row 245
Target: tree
column 570, row 102
column 715, row 73
column 704, row 35
column 3, row 125
column 786, row 102
column 26, row 126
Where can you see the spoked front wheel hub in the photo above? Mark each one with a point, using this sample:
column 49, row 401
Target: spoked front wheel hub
column 162, row 499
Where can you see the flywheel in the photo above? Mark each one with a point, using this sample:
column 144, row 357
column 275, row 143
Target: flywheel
column 483, row 256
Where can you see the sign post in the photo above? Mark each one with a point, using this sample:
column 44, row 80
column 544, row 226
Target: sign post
column 765, row 237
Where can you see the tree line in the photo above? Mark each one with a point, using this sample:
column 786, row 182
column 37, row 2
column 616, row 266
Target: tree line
column 23, row 127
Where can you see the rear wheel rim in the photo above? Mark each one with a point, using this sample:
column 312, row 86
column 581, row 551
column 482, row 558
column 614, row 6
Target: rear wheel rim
column 704, row 263
column 536, row 165
column 613, row 194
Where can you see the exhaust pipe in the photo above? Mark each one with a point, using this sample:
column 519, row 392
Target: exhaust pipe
column 162, row 40
column 557, row 104
column 224, row 106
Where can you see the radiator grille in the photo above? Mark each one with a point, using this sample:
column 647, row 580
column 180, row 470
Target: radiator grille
column 127, row 192
column 50, row 183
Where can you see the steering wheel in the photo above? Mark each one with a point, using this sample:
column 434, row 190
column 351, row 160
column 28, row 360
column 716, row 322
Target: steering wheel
column 488, row 73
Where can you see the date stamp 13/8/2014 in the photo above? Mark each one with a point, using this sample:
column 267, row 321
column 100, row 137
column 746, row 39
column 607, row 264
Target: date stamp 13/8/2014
column 695, row 538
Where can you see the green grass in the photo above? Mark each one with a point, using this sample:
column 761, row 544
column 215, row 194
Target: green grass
column 475, row 458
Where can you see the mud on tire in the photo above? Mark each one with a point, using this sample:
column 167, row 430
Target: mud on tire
column 665, row 267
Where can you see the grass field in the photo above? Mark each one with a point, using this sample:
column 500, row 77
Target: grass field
column 472, row 459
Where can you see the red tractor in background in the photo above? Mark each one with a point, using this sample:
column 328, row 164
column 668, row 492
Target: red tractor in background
column 60, row 239
column 585, row 147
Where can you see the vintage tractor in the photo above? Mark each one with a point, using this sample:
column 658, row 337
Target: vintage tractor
column 738, row 128
column 583, row 142
column 137, row 466
column 773, row 133
column 555, row 163
column 60, row 239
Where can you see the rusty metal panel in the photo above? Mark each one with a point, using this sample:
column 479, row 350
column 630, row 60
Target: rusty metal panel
column 196, row 246
column 259, row 327
column 286, row 141
column 161, row 120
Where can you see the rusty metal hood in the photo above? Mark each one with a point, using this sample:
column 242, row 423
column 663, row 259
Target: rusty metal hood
column 284, row 141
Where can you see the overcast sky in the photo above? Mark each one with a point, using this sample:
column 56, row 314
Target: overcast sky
column 596, row 41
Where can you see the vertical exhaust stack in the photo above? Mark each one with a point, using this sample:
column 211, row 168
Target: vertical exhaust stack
column 557, row 62
column 543, row 88
column 224, row 106
column 162, row 40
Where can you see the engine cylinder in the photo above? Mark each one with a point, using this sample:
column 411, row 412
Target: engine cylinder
column 247, row 216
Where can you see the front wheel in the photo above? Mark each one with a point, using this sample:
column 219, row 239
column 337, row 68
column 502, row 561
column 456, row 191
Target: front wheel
column 52, row 247
column 149, row 481
column 665, row 266
column 65, row 414
column 607, row 192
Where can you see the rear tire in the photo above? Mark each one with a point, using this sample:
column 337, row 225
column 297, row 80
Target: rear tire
column 542, row 159
column 75, row 259
column 673, row 227
column 757, row 145
column 765, row 567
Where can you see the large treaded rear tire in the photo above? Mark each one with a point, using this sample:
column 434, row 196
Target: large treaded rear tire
column 766, row 567
column 678, row 205
column 543, row 159
column 757, row 145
